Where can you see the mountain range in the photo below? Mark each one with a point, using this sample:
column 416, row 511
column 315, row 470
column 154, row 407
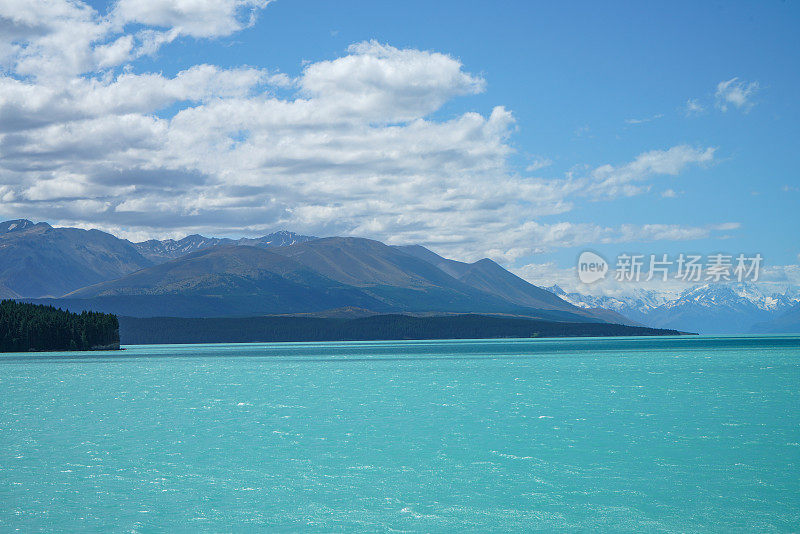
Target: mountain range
column 37, row 260
column 41, row 261
column 292, row 274
column 318, row 276
column 721, row 308
column 281, row 273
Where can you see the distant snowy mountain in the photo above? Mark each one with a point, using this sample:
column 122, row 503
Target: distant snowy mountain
column 708, row 308
column 737, row 296
column 622, row 310
column 635, row 306
column 723, row 308
column 169, row 249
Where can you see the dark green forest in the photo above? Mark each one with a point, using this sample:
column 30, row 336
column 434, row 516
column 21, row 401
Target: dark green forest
column 33, row 327
column 142, row 331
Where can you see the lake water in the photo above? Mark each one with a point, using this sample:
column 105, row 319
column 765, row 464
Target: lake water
column 650, row 434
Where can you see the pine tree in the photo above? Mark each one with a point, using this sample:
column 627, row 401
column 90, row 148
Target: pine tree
column 25, row 327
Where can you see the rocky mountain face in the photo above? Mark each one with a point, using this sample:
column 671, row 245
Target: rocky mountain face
column 169, row 249
column 37, row 260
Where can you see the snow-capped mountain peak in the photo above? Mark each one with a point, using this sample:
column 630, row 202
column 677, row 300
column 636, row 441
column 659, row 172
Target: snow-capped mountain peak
column 745, row 294
column 706, row 308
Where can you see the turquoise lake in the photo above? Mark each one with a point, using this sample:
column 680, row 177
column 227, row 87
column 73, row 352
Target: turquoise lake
column 689, row 434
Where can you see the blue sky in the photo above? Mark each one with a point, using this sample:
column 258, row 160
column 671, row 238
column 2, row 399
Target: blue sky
column 585, row 85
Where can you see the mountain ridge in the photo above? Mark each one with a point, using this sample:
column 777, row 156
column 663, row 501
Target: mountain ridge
column 39, row 260
column 166, row 249
column 722, row 308
column 485, row 272
column 315, row 276
column 280, row 273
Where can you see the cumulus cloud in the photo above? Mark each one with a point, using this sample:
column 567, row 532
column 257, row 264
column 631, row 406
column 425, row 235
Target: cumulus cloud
column 51, row 39
column 380, row 82
column 351, row 147
column 736, row 93
column 25, row 104
column 59, row 39
column 196, row 18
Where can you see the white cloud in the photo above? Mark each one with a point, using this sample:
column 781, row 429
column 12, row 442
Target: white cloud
column 693, row 107
column 51, row 39
column 538, row 164
column 352, row 147
column 58, row 39
column 726, row 226
column 607, row 181
column 781, row 276
column 643, row 120
column 65, row 186
column 736, row 93
column 26, row 104
column 780, row 279
column 115, row 52
column 196, row 18
column 380, row 82
column 547, row 274
column 533, row 237
column 669, row 193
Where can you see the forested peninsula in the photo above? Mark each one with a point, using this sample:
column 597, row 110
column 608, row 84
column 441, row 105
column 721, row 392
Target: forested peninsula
column 32, row 327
